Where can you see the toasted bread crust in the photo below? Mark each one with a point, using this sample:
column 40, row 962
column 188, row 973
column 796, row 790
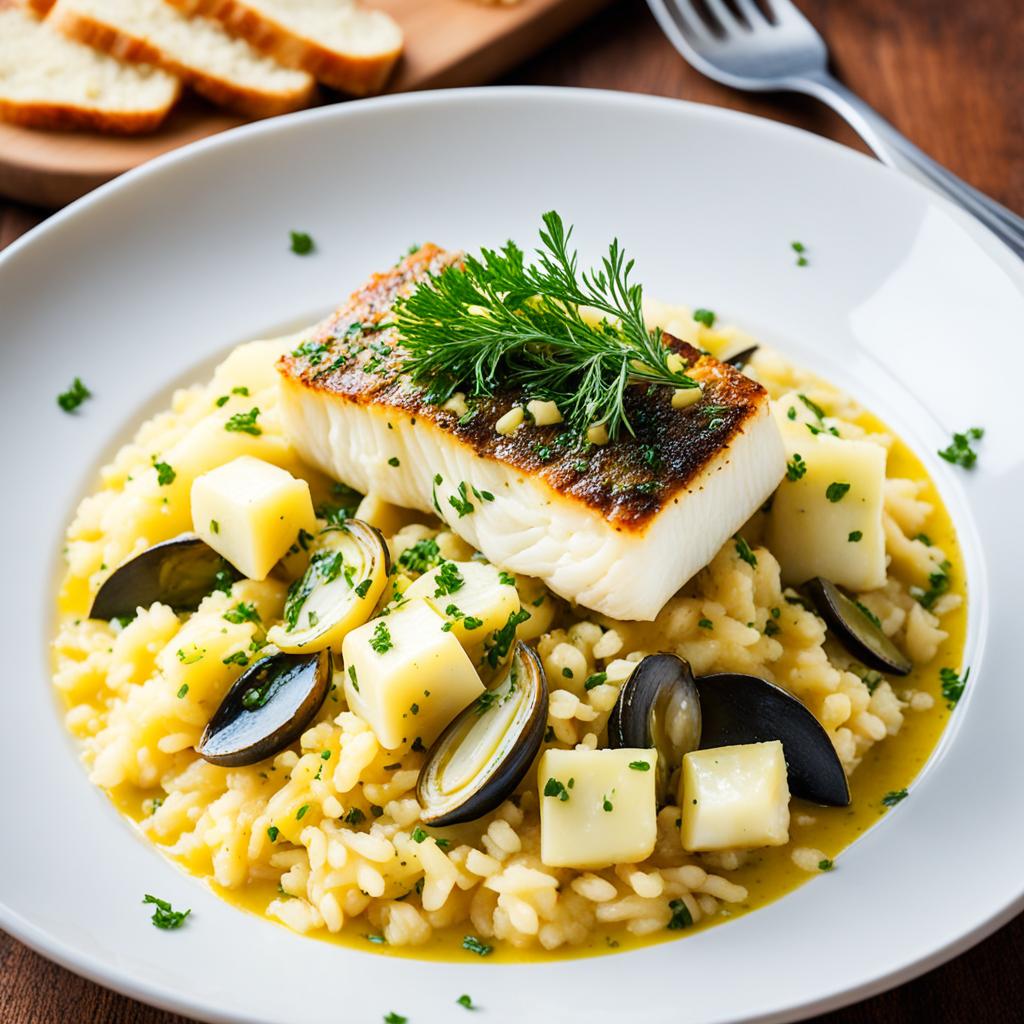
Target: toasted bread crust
column 360, row 76
column 134, row 49
column 628, row 481
column 68, row 117
column 41, row 7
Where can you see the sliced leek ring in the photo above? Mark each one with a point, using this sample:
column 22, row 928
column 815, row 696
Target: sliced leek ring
column 347, row 572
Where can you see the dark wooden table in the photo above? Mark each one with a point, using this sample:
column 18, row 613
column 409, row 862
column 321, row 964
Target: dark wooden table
column 950, row 74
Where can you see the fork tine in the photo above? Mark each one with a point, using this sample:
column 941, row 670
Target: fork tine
column 754, row 16
column 687, row 22
column 727, row 20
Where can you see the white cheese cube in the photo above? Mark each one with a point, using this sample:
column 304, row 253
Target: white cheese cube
column 476, row 606
column 597, row 807
column 251, row 513
column 734, row 798
column 826, row 516
column 406, row 677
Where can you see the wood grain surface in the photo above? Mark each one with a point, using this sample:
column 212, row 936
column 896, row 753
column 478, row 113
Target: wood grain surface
column 949, row 74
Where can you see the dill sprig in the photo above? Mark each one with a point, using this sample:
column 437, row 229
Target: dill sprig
column 496, row 322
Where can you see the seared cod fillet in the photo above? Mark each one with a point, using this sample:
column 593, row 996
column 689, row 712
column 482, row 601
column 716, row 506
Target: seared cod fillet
column 617, row 528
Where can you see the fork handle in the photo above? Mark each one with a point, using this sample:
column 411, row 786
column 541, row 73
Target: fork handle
column 899, row 152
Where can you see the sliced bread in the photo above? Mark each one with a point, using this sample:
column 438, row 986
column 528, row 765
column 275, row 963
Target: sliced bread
column 226, row 70
column 49, row 81
column 345, row 46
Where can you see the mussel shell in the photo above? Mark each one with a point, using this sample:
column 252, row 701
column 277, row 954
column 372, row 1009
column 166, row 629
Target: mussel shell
column 738, row 708
column 854, row 630
column 291, row 689
column 740, row 360
column 179, row 573
column 658, row 707
column 509, row 753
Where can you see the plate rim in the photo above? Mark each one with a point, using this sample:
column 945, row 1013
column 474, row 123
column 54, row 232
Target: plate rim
column 94, row 967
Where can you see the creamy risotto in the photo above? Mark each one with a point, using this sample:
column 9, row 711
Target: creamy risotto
column 326, row 835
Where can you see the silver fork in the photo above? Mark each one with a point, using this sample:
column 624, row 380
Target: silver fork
column 777, row 49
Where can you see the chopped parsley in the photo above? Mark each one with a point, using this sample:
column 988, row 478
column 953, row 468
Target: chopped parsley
column 421, row 556
column 75, row 395
column 418, row 835
column 868, row 614
column 836, row 491
column 506, row 579
column 606, row 805
column 301, row 812
column 214, row 526
column 244, row 423
column 640, row 766
column 352, row 676
column 165, row 475
column 395, row 1018
column 938, row 584
column 460, row 501
column 597, row 679
column 448, row 580
column 705, row 317
column 165, row 916
column 681, row 917
column 854, row 536
column 502, row 639
column 474, row 945
column 706, row 624
column 362, row 589
column 466, row 1002
column 799, row 248
column 238, row 658
column 555, row 788
column 381, row 640
column 354, row 816
column 893, row 797
column 826, row 864
column 959, row 452
column 272, row 833
column 393, row 461
column 953, row 685
column 796, row 467
column 302, row 244
column 314, row 351
column 182, row 690
column 242, row 612
column 743, row 550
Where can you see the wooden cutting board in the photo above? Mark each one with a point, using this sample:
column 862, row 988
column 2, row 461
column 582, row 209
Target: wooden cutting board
column 447, row 43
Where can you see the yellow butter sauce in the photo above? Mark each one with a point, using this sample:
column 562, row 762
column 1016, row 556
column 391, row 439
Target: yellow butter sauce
column 888, row 766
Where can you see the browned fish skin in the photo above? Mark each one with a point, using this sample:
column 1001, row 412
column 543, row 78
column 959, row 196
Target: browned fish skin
column 628, row 481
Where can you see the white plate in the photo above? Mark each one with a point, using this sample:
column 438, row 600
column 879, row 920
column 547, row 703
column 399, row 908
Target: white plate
column 142, row 284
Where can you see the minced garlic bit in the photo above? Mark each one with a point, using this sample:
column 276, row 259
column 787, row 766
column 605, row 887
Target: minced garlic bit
column 675, row 362
column 683, row 398
column 511, row 421
column 456, row 404
column 544, row 413
column 598, row 434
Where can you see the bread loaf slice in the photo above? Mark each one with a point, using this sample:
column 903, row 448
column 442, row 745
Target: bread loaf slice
column 49, row 81
column 223, row 69
column 345, row 46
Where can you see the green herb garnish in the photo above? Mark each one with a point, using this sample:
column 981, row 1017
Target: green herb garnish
column 474, row 945
column 705, row 317
column 953, row 685
column 165, row 916
column 743, row 550
column 681, row 917
column 381, row 639
column 244, row 423
column 854, row 536
column 960, row 452
column 893, row 797
column 74, row 396
column 836, row 491
column 796, row 467
column 555, row 788
column 495, row 322
column 302, row 244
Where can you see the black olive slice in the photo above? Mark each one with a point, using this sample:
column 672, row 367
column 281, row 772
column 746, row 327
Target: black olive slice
column 740, row 360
